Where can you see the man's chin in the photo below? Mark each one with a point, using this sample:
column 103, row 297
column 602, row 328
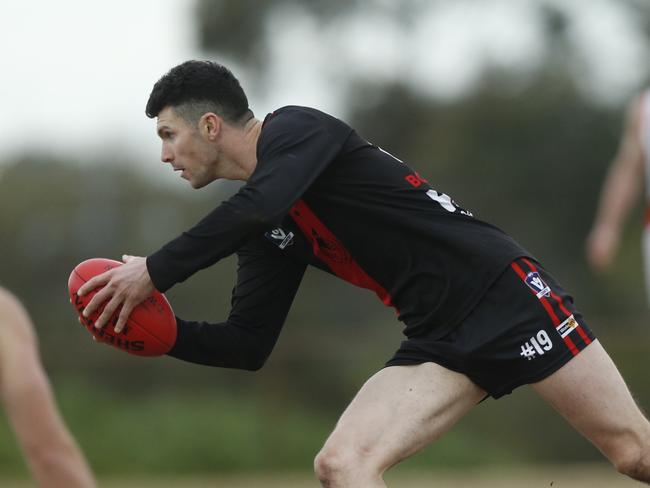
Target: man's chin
column 198, row 184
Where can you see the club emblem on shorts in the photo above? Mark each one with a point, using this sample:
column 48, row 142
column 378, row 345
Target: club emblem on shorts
column 566, row 327
column 279, row 237
column 536, row 283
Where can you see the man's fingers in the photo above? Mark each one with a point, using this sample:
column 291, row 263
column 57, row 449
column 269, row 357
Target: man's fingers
column 92, row 283
column 122, row 287
column 107, row 313
column 124, row 316
column 100, row 297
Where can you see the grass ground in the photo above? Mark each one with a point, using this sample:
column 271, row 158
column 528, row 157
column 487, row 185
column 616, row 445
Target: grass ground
column 596, row 476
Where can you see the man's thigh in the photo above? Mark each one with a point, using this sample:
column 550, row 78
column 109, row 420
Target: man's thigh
column 591, row 394
column 400, row 410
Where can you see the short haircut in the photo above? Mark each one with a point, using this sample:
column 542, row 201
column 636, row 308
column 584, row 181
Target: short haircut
column 194, row 88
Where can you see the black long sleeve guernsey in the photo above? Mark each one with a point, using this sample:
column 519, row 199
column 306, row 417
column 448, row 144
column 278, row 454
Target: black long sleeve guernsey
column 323, row 196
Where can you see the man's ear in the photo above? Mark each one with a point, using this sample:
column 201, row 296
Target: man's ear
column 210, row 125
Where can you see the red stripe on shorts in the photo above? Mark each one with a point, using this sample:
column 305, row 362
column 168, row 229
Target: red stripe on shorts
column 584, row 336
column 546, row 304
column 572, row 347
column 582, row 333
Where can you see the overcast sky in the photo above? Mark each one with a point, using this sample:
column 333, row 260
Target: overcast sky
column 443, row 52
column 76, row 74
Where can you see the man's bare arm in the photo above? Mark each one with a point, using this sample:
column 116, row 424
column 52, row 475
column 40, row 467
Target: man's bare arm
column 620, row 192
column 50, row 450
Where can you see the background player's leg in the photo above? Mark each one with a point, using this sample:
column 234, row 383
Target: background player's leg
column 396, row 413
column 591, row 394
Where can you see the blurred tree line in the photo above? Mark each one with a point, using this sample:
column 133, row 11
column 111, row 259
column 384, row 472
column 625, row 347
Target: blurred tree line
column 526, row 155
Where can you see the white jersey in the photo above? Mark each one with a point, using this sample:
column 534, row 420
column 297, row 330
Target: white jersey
column 644, row 134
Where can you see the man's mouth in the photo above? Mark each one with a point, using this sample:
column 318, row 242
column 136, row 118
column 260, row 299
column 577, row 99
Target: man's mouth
column 181, row 169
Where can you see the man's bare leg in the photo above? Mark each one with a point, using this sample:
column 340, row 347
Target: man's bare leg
column 591, row 394
column 396, row 413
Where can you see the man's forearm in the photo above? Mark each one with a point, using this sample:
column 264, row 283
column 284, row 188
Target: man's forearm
column 224, row 345
column 50, row 451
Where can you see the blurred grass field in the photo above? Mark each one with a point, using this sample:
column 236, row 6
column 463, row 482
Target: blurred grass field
column 579, row 476
column 205, row 427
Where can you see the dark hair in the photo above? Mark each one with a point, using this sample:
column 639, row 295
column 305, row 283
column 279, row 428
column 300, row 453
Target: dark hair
column 194, row 88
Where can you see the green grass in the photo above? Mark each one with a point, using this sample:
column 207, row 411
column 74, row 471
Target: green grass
column 217, row 431
column 188, row 433
column 217, row 424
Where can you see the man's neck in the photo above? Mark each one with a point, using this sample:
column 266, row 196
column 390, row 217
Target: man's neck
column 248, row 147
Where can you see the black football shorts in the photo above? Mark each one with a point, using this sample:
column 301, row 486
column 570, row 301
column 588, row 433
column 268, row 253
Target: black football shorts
column 524, row 328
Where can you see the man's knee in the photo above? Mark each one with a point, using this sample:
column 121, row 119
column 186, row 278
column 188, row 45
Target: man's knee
column 335, row 465
column 331, row 464
column 631, row 456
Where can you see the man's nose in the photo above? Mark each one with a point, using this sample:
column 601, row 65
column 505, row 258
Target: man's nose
column 166, row 155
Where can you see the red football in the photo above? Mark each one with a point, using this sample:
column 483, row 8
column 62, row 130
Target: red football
column 149, row 331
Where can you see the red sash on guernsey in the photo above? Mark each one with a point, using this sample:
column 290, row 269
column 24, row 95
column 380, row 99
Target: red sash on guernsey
column 329, row 249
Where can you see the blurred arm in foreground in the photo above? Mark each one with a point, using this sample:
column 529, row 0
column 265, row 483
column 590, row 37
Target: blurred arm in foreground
column 50, row 451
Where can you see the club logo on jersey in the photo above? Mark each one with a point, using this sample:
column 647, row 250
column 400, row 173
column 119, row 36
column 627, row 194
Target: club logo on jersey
column 280, row 238
column 536, row 283
column 566, row 327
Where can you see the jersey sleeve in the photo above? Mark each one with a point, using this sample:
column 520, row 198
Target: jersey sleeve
column 266, row 286
column 294, row 148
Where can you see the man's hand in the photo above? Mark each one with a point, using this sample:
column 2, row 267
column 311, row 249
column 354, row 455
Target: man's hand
column 125, row 286
column 602, row 244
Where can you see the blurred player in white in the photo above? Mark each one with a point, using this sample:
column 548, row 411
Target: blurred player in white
column 621, row 190
column 50, row 451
